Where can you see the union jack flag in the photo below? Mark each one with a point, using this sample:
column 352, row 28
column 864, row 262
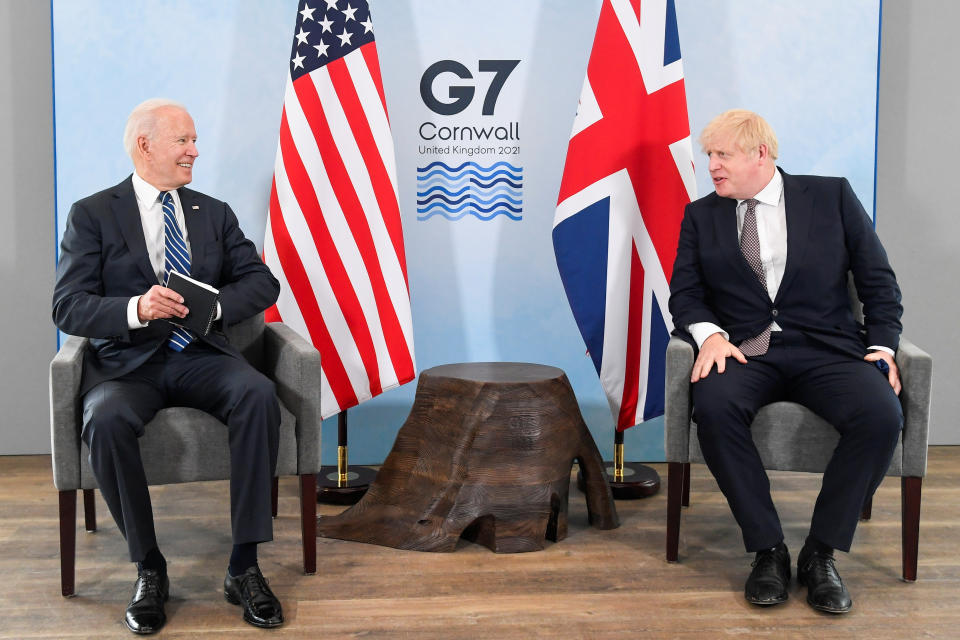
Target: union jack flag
column 627, row 178
column 333, row 235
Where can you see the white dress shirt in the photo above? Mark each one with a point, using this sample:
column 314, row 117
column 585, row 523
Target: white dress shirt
column 771, row 215
column 772, row 231
column 151, row 217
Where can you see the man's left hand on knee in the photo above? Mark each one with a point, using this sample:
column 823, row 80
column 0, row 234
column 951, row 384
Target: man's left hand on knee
column 893, row 373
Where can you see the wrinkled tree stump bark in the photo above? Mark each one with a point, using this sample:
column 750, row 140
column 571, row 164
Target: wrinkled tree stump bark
column 485, row 454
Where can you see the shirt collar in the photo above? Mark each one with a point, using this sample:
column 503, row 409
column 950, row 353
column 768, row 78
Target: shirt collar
column 770, row 194
column 147, row 194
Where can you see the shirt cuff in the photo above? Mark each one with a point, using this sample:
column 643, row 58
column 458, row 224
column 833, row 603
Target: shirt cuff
column 703, row 330
column 219, row 311
column 133, row 319
column 879, row 348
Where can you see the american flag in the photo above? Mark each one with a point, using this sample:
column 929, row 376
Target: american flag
column 333, row 235
column 628, row 175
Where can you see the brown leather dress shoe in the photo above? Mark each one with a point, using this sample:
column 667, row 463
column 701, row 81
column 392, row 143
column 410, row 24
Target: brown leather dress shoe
column 250, row 590
column 145, row 613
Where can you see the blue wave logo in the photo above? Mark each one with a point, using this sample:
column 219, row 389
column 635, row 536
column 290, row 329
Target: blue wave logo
column 469, row 189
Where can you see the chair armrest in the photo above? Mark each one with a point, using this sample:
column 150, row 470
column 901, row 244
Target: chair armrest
column 294, row 366
column 676, row 418
column 916, row 376
column 66, row 370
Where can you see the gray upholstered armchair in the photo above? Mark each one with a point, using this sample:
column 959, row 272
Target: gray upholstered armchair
column 789, row 437
column 187, row 445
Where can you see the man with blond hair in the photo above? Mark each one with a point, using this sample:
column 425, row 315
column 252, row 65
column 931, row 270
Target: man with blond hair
column 759, row 285
column 118, row 249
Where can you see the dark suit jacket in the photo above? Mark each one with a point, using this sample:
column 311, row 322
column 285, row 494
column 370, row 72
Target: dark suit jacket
column 828, row 234
column 104, row 262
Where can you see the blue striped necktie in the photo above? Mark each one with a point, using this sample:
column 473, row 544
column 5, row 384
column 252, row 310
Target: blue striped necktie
column 175, row 258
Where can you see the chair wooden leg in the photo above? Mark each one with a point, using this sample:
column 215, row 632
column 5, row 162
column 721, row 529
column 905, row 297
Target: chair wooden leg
column 274, row 496
column 89, row 511
column 867, row 510
column 685, row 500
column 910, row 513
column 674, row 498
column 308, row 521
column 68, row 541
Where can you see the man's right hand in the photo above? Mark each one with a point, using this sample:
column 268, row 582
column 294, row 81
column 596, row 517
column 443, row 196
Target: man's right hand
column 714, row 351
column 160, row 302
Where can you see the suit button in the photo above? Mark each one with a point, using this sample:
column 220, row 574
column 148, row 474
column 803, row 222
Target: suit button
column 774, row 313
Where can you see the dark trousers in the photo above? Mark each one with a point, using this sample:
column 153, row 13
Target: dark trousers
column 115, row 413
column 849, row 393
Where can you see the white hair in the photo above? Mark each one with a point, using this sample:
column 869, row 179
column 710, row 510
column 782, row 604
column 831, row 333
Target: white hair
column 142, row 122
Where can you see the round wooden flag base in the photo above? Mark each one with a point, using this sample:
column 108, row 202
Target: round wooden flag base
column 639, row 481
column 358, row 480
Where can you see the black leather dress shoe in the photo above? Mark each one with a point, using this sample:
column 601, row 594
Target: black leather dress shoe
column 769, row 578
column 825, row 590
column 145, row 612
column 249, row 590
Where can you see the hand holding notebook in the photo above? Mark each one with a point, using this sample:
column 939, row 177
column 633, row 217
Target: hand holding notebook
column 199, row 297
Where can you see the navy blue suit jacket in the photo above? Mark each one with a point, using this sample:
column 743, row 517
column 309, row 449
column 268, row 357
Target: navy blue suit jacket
column 104, row 262
column 828, row 235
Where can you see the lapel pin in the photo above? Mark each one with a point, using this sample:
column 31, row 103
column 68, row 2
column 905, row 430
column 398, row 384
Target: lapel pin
column 195, row 207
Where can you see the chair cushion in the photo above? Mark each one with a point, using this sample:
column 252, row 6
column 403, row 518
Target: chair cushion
column 790, row 437
column 186, row 445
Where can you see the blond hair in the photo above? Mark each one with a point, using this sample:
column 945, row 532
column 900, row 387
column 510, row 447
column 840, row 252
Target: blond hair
column 747, row 130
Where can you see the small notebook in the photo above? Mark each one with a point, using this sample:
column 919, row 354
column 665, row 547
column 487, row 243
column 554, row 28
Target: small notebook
column 199, row 297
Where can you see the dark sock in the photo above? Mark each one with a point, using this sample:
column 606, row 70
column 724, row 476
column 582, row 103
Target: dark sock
column 242, row 558
column 154, row 560
column 780, row 546
column 812, row 544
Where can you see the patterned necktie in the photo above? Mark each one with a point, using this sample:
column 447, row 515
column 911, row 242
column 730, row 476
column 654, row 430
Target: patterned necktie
column 750, row 246
column 175, row 258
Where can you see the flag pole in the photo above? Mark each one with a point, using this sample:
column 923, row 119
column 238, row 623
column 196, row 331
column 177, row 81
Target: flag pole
column 343, row 484
column 628, row 480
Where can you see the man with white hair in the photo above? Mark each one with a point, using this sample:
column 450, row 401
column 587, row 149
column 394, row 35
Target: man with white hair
column 759, row 285
column 118, row 249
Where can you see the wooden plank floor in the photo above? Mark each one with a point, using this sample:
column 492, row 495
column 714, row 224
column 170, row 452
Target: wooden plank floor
column 594, row 584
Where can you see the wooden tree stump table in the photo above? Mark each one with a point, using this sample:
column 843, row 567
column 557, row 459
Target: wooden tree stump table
column 485, row 454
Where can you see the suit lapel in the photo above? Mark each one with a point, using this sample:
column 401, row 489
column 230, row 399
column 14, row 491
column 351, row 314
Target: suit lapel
column 726, row 233
column 127, row 214
column 799, row 205
column 196, row 230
